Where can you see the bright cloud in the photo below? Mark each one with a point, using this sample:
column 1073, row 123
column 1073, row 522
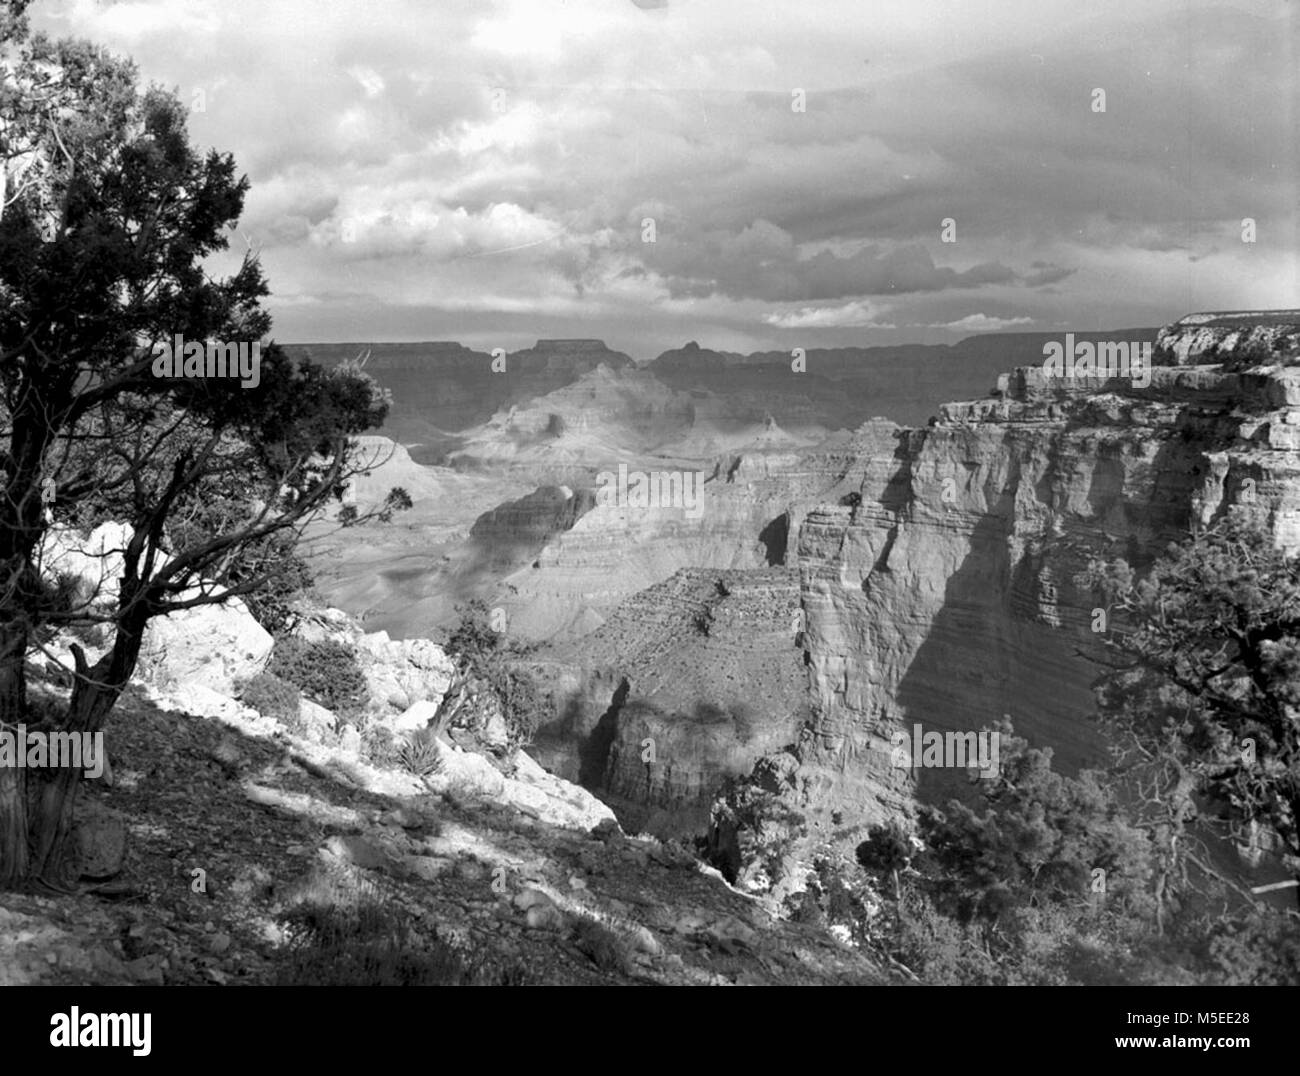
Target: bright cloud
column 856, row 314
column 983, row 323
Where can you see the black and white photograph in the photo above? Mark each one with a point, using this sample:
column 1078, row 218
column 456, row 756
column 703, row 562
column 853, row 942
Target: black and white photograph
column 604, row 493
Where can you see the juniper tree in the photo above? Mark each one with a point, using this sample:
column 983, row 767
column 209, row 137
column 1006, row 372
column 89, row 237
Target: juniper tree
column 1203, row 697
column 110, row 221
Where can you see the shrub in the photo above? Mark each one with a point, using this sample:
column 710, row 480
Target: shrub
column 271, row 697
column 485, row 659
column 326, row 672
column 420, row 754
column 46, row 710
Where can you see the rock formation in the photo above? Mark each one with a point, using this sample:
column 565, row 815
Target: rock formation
column 690, row 682
column 948, row 598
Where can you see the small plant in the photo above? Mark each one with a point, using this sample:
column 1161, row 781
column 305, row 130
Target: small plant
column 272, row 697
column 326, row 672
column 421, row 754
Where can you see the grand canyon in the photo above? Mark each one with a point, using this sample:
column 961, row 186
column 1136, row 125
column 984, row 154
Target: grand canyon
column 590, row 493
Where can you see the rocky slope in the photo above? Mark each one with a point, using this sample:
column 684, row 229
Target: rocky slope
column 226, row 831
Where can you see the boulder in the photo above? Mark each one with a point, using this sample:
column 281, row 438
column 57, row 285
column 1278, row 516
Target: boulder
column 213, row 646
column 318, row 723
column 387, row 695
column 468, row 773
column 360, row 852
column 554, row 799
column 493, row 732
column 402, row 672
column 414, row 717
column 530, row 790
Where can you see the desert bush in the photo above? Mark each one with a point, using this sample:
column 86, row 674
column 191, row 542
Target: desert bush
column 1047, row 882
column 938, row 948
column 289, row 583
column 420, row 754
column 486, row 660
column 271, row 697
column 326, row 672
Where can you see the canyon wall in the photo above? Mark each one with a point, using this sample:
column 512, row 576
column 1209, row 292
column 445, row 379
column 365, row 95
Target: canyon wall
column 952, row 601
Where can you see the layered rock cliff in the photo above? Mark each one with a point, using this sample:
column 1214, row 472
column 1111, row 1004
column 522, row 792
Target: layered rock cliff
column 749, row 509
column 950, row 600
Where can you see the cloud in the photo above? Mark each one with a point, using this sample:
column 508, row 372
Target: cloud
column 370, row 224
column 857, row 314
column 982, row 323
column 511, row 151
column 763, row 261
column 1044, row 274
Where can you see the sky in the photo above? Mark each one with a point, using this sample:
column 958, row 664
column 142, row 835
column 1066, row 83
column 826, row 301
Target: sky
column 748, row 175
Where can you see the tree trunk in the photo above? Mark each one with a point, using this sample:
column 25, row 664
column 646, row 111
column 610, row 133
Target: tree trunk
column 94, row 693
column 13, row 827
column 13, row 784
